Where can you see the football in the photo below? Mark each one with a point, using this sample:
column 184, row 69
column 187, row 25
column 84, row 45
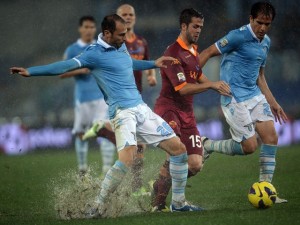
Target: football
column 262, row 195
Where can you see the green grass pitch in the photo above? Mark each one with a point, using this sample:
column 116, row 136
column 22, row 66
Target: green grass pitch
column 221, row 188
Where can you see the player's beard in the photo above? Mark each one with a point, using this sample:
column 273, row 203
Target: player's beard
column 190, row 38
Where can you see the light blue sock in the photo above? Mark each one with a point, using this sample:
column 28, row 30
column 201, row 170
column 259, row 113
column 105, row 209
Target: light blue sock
column 112, row 180
column 81, row 148
column 108, row 154
column 228, row 147
column 179, row 172
column 267, row 162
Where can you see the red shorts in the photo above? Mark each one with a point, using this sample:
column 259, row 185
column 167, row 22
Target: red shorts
column 190, row 136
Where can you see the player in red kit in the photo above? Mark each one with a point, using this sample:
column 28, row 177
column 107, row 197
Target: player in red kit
column 180, row 81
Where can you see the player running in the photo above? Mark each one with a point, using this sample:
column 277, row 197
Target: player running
column 252, row 106
column 89, row 101
column 131, row 119
column 180, row 82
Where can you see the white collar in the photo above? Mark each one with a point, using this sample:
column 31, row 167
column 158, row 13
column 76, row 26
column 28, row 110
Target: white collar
column 101, row 42
column 253, row 34
column 82, row 44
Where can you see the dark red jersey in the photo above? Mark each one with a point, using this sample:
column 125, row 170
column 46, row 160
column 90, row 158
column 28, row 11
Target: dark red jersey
column 138, row 49
column 186, row 69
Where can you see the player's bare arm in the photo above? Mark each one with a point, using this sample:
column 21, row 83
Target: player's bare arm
column 151, row 77
column 75, row 73
column 206, row 54
column 277, row 111
column 203, row 85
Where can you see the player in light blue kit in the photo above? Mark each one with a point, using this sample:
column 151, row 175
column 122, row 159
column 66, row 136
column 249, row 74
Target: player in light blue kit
column 132, row 120
column 89, row 101
column 252, row 107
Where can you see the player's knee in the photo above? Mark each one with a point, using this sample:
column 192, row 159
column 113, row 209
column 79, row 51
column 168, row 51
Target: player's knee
column 249, row 148
column 271, row 139
column 177, row 147
column 195, row 166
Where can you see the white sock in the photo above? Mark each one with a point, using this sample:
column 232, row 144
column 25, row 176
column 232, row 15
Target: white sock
column 108, row 154
column 267, row 162
column 81, row 148
column 112, row 179
column 179, row 172
column 228, row 147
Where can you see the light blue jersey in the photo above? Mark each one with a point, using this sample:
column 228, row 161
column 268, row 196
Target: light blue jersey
column 243, row 56
column 112, row 68
column 86, row 88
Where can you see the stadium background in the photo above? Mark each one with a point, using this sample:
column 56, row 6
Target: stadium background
column 37, row 32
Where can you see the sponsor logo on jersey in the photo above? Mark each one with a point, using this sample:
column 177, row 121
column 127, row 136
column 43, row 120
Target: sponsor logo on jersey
column 181, row 76
column 243, row 28
column 223, row 42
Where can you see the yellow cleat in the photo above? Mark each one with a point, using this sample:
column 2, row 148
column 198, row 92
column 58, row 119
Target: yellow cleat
column 93, row 131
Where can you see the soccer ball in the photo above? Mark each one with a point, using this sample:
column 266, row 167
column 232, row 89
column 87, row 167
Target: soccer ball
column 262, row 195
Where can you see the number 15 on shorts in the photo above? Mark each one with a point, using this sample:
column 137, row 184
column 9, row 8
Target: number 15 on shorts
column 196, row 141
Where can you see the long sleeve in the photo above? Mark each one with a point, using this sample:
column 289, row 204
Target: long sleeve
column 143, row 64
column 54, row 68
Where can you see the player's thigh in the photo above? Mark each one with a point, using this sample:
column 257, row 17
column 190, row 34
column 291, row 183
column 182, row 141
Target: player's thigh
column 151, row 128
column 239, row 119
column 173, row 119
column 264, row 119
column 124, row 125
column 190, row 137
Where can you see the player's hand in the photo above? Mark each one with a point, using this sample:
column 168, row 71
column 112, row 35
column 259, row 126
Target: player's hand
column 279, row 113
column 222, row 87
column 160, row 62
column 19, row 70
column 152, row 80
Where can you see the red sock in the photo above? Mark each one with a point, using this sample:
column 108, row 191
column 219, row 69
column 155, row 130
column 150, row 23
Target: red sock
column 104, row 132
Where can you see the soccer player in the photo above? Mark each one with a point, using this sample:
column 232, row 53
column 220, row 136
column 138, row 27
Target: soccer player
column 252, row 106
column 89, row 101
column 180, row 82
column 131, row 119
column 138, row 49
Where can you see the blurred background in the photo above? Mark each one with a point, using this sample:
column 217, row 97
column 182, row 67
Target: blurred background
column 37, row 113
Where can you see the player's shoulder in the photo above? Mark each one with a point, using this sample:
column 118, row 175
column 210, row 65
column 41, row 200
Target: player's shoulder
column 173, row 49
column 267, row 40
column 239, row 34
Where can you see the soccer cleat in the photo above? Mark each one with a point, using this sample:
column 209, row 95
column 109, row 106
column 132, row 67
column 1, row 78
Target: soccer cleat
column 206, row 154
column 92, row 132
column 94, row 210
column 160, row 208
column 280, row 200
column 141, row 192
column 186, row 208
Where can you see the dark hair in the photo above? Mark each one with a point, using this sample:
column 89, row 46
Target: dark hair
column 187, row 14
column 86, row 18
column 266, row 8
column 109, row 22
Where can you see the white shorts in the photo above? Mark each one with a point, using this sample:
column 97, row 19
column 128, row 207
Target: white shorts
column 139, row 124
column 87, row 113
column 242, row 116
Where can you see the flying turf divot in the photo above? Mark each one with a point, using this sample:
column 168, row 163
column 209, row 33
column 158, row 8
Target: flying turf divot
column 72, row 193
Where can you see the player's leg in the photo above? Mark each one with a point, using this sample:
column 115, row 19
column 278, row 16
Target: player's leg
column 81, row 147
column 242, row 131
column 107, row 148
column 137, row 167
column 124, row 125
column 191, row 139
column 152, row 129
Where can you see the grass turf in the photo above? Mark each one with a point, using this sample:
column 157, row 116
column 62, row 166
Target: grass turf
column 221, row 188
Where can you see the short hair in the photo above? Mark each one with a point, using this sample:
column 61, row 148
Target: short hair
column 187, row 14
column 266, row 8
column 86, row 18
column 109, row 22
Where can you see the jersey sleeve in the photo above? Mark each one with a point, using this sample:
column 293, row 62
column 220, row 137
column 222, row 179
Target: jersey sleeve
column 175, row 73
column 230, row 42
column 86, row 59
column 67, row 54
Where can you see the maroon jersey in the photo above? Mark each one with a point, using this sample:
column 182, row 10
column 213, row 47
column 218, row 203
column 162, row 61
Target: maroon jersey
column 185, row 69
column 138, row 49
